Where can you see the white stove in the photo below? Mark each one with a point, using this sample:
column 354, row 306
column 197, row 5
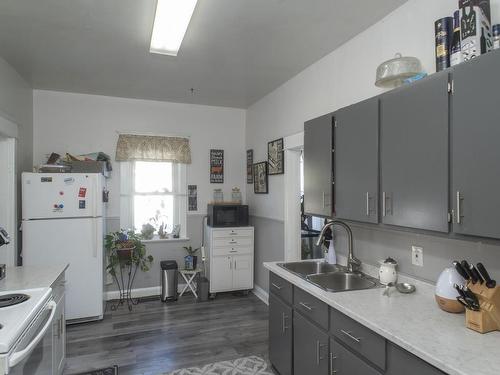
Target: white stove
column 14, row 319
column 23, row 327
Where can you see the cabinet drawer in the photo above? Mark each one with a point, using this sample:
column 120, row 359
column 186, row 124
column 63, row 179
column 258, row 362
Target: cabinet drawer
column 343, row 361
column 221, row 233
column 399, row 361
column 233, row 241
column 232, row 250
column 281, row 288
column 311, row 307
column 359, row 338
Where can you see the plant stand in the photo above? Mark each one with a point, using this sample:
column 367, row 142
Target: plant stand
column 125, row 280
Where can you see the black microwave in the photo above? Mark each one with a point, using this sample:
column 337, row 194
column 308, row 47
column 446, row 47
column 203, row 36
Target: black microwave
column 227, row 215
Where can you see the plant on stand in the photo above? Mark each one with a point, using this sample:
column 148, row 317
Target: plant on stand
column 126, row 254
column 190, row 260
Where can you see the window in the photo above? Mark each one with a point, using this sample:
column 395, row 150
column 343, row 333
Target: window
column 153, row 193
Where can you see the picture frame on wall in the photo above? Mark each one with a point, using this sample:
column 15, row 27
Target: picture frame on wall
column 216, row 166
column 249, row 166
column 260, row 178
column 275, row 157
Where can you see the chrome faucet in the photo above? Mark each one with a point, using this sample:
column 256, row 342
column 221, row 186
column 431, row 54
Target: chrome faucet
column 353, row 263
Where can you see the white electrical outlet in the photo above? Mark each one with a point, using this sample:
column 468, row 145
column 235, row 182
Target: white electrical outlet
column 417, row 256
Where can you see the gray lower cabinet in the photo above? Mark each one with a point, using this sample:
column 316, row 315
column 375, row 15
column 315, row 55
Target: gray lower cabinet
column 343, row 361
column 415, row 155
column 310, row 347
column 475, row 136
column 399, row 362
column 280, row 335
column 318, row 166
column 298, row 345
column 356, row 162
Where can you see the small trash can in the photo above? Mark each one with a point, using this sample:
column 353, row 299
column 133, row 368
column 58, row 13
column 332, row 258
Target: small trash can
column 169, row 280
column 202, row 289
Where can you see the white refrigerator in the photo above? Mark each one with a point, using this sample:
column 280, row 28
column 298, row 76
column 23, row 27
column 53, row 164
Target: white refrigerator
column 63, row 222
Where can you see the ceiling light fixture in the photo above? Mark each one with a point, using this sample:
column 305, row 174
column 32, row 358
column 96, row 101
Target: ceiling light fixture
column 171, row 22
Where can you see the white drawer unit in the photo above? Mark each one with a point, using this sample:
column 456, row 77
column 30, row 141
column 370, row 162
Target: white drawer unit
column 230, row 258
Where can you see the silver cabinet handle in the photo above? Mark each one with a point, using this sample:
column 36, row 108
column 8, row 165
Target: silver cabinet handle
column 459, row 210
column 319, row 345
column 332, row 369
column 367, row 204
column 235, row 264
column 284, row 327
column 277, row 286
column 384, row 199
column 306, row 306
column 230, row 263
column 349, row 334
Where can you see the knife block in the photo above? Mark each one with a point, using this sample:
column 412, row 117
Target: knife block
column 487, row 319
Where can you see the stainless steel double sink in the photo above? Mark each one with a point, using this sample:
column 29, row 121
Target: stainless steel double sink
column 331, row 277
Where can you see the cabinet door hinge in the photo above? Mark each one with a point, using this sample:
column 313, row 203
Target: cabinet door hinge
column 451, row 87
column 335, row 123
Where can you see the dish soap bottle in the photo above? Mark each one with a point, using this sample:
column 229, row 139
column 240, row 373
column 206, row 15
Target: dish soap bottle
column 331, row 256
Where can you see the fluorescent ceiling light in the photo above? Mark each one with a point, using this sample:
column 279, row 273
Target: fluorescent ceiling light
column 171, row 22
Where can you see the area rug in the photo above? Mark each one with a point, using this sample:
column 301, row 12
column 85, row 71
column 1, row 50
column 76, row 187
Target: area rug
column 103, row 371
column 252, row 365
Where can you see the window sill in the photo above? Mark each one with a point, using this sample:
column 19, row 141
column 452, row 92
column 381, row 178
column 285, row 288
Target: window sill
column 159, row 240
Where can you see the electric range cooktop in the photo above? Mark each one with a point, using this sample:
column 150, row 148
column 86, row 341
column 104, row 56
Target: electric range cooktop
column 18, row 308
column 7, row 300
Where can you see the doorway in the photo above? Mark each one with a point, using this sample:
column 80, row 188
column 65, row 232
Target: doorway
column 301, row 231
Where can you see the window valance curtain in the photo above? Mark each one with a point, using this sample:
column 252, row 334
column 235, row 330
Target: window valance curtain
column 153, row 148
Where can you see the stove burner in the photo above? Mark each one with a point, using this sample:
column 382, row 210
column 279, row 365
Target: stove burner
column 12, row 299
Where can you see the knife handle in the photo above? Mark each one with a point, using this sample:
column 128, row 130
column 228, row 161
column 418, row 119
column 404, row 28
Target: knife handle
column 460, row 270
column 466, row 267
column 475, row 274
column 486, row 277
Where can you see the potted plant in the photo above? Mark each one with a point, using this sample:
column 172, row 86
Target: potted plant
column 125, row 248
column 191, row 260
column 158, row 222
column 147, row 231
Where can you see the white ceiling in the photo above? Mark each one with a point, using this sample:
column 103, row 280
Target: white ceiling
column 234, row 53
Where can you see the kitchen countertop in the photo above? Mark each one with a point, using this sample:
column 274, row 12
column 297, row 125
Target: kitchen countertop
column 30, row 277
column 415, row 323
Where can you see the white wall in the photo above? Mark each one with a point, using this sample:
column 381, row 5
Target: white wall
column 78, row 123
column 343, row 77
column 16, row 120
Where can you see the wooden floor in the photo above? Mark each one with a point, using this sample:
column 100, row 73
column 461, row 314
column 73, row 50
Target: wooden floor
column 159, row 337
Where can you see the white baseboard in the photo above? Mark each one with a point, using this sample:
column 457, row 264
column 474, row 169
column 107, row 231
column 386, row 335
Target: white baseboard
column 261, row 294
column 139, row 292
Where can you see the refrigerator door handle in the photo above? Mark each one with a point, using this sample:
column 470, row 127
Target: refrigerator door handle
column 95, row 196
column 94, row 236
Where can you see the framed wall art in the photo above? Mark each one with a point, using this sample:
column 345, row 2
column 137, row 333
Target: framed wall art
column 260, row 180
column 275, row 157
column 249, row 166
column 216, row 166
column 192, row 198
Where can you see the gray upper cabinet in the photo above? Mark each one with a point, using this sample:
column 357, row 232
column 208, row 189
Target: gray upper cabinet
column 356, row 162
column 318, row 188
column 280, row 335
column 415, row 155
column 475, row 135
